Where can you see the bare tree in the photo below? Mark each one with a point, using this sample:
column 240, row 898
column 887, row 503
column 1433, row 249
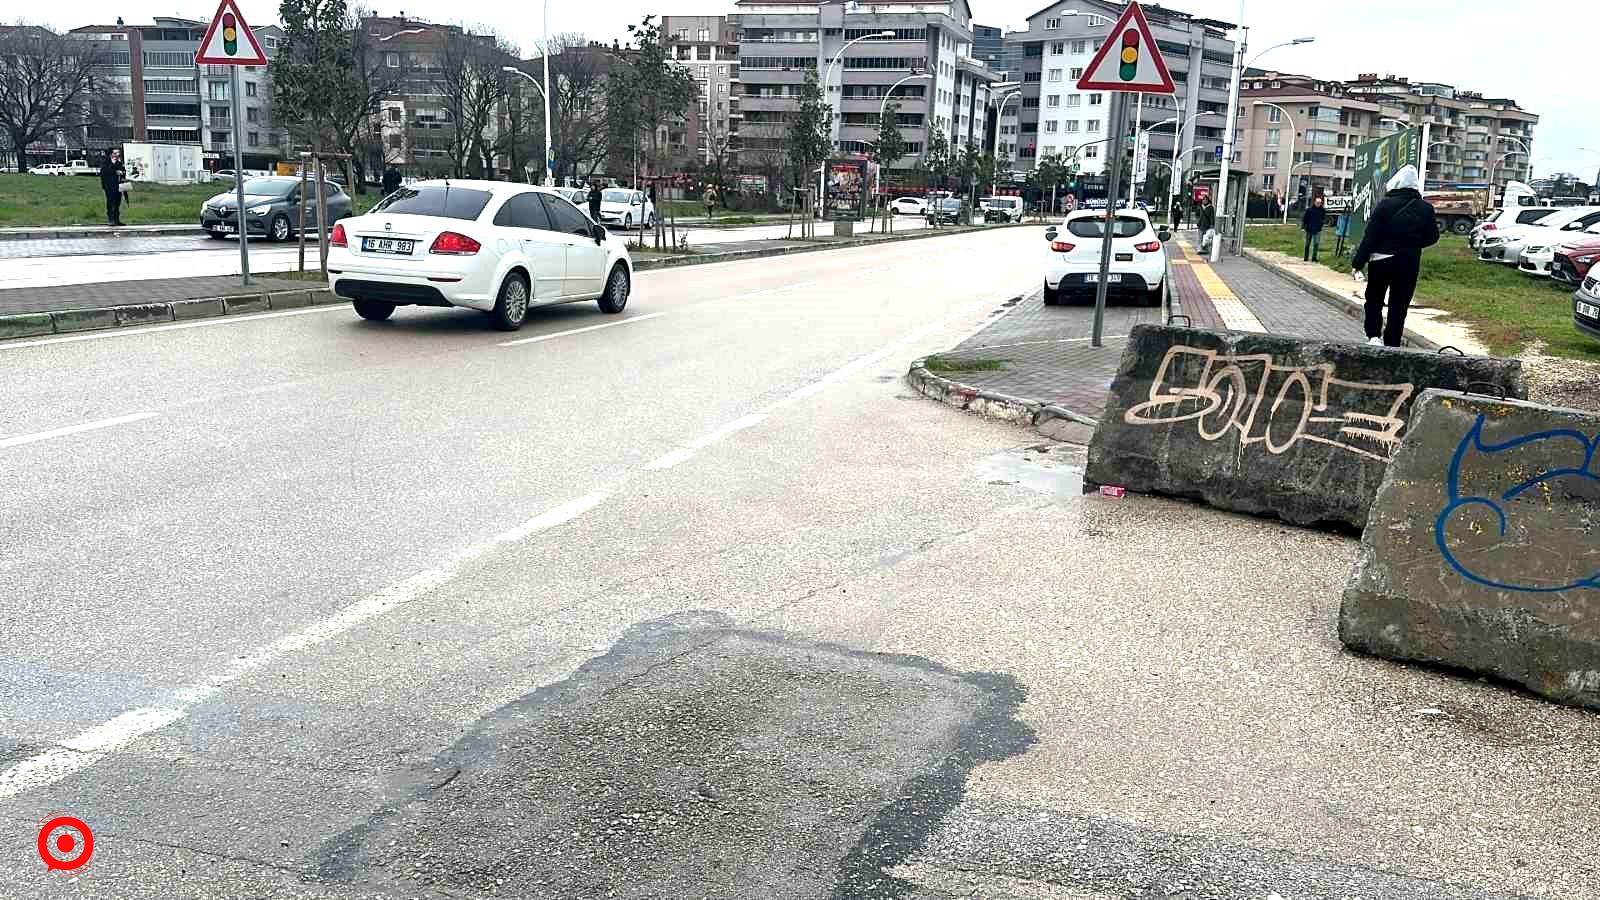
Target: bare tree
column 365, row 85
column 577, row 106
column 473, row 86
column 46, row 80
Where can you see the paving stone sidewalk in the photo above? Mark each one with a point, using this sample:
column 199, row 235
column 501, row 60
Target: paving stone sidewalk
column 1047, row 352
column 127, row 293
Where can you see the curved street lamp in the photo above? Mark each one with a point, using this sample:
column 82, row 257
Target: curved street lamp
column 833, row 129
column 549, row 174
column 1228, row 133
column 1294, row 129
column 883, row 110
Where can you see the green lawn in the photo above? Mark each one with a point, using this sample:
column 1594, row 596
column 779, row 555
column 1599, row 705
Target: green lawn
column 77, row 200
column 1506, row 308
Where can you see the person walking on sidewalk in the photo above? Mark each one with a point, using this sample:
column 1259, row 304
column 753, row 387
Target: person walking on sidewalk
column 1205, row 219
column 1391, row 250
column 594, row 200
column 112, row 173
column 1312, row 223
column 710, row 200
column 1176, row 217
column 391, row 180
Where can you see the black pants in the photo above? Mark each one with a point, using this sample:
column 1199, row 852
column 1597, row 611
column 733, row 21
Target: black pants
column 1395, row 277
column 113, row 207
column 1313, row 244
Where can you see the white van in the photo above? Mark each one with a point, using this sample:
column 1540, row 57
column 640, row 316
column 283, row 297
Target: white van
column 1001, row 209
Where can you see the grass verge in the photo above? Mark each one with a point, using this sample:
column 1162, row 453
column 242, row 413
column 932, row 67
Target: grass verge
column 1506, row 309
column 38, row 201
column 941, row 365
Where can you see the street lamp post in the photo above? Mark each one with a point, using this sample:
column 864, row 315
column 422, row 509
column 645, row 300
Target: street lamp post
column 1294, row 129
column 1172, row 184
column 548, row 167
column 833, row 129
column 883, row 110
column 999, row 115
column 549, row 160
column 1233, row 104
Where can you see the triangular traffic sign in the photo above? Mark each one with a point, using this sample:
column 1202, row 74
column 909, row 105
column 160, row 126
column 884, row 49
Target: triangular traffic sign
column 1129, row 60
column 229, row 41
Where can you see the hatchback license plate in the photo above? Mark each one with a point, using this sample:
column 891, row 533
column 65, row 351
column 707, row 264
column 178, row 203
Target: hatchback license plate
column 1124, row 257
column 1113, row 278
column 225, row 229
column 1589, row 311
column 388, row 245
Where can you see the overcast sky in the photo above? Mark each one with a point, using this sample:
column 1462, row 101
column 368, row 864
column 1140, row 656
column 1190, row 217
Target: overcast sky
column 1531, row 51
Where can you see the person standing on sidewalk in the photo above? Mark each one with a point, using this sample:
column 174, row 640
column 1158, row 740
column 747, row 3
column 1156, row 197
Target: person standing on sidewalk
column 112, row 173
column 391, row 180
column 1176, row 217
column 1401, row 225
column 594, row 200
column 1312, row 223
column 710, row 200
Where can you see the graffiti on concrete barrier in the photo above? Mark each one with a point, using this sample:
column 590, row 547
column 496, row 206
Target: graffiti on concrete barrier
column 1506, row 531
column 1275, row 406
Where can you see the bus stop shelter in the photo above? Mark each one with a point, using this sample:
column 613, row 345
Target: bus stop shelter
column 1230, row 221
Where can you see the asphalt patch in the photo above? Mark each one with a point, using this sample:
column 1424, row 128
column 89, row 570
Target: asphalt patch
column 694, row 759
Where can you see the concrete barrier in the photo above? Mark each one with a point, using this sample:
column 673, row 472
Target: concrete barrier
column 1267, row 424
column 1483, row 549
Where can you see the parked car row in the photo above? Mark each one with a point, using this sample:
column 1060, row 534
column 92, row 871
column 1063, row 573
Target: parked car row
column 76, row 167
column 1561, row 243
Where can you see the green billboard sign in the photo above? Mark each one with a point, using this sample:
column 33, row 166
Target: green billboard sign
column 1376, row 163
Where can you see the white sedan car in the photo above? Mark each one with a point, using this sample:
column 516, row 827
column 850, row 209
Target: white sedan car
column 1506, row 245
column 1138, row 257
column 909, row 206
column 493, row 246
column 626, row 208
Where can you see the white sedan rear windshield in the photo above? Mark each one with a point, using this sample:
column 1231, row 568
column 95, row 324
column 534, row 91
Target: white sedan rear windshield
column 1124, row 227
column 435, row 200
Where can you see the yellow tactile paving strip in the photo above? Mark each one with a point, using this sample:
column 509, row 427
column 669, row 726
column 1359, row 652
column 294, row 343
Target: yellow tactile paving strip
column 1234, row 314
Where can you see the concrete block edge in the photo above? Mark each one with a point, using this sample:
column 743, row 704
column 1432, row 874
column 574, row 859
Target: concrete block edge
column 34, row 324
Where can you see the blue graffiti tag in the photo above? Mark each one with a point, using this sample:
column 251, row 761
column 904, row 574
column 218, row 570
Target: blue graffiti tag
column 1473, row 440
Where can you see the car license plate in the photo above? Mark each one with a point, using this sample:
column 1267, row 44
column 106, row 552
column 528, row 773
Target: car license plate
column 1094, row 278
column 1124, row 257
column 388, row 245
column 225, row 229
column 1589, row 311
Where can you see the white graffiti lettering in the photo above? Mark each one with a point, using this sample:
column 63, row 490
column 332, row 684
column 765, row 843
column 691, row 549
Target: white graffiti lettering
column 1227, row 394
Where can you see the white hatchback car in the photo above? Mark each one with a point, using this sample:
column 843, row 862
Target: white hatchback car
column 909, row 206
column 1506, row 245
column 626, row 208
column 487, row 245
column 1138, row 257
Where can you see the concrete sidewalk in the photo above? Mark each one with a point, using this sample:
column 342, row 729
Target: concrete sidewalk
column 57, row 232
column 1048, row 360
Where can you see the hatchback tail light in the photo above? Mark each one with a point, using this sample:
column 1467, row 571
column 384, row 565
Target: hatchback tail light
column 1489, row 226
column 337, row 238
column 453, row 244
column 1148, row 246
column 1061, row 246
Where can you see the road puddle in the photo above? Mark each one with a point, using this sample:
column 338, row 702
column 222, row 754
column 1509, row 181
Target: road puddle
column 1055, row 469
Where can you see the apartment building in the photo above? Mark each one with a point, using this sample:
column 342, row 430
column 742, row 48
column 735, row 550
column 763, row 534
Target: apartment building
column 152, row 91
column 989, row 47
column 709, row 47
column 1057, row 118
column 781, row 39
column 1473, row 140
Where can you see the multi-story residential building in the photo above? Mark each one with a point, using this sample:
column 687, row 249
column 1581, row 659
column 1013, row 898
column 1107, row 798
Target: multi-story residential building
column 1058, row 119
column 1473, row 140
column 781, row 39
column 709, row 47
column 152, row 91
column 1008, row 106
column 989, row 47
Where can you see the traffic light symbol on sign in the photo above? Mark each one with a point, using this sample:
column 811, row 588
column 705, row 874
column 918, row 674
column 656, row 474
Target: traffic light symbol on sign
column 230, row 34
column 1130, row 55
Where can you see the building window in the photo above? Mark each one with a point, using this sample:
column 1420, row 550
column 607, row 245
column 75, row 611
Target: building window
column 705, row 35
column 1269, row 160
column 1058, row 48
column 1030, row 78
column 1074, row 101
column 1093, row 127
column 253, row 139
column 219, row 138
column 1096, row 99
column 1266, row 181
column 394, row 115
column 1078, row 73
column 1080, row 46
column 249, row 88
column 1272, row 137
column 251, row 113
column 1050, row 127
column 722, row 89
column 169, row 86
column 1052, row 23
column 1055, row 74
column 169, row 59
column 1072, row 126
column 1093, row 150
column 217, row 90
column 1053, row 100
column 1274, row 115
column 392, row 60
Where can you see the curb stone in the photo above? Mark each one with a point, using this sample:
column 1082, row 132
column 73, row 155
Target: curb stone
column 73, row 232
column 75, row 320
column 1347, row 305
column 672, row 262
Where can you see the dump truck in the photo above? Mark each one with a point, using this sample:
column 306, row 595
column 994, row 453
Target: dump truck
column 1458, row 210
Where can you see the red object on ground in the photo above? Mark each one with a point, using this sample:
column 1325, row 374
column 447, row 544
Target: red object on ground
column 1111, row 490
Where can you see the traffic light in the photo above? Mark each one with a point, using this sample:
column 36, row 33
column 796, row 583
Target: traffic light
column 230, row 34
column 1130, row 55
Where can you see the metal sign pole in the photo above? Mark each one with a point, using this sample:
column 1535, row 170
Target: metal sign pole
column 1119, row 116
column 238, row 177
column 300, row 198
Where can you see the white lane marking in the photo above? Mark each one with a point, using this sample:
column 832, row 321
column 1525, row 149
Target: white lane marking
column 688, row 450
column 74, row 429
column 550, row 337
column 87, row 748
column 148, row 329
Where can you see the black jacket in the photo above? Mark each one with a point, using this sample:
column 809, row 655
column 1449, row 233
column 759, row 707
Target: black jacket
column 391, row 180
column 1401, row 225
column 594, row 203
column 1206, row 218
column 112, row 175
column 1313, row 219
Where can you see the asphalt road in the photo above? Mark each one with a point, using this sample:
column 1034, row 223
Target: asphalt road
column 698, row 601
column 41, row 263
